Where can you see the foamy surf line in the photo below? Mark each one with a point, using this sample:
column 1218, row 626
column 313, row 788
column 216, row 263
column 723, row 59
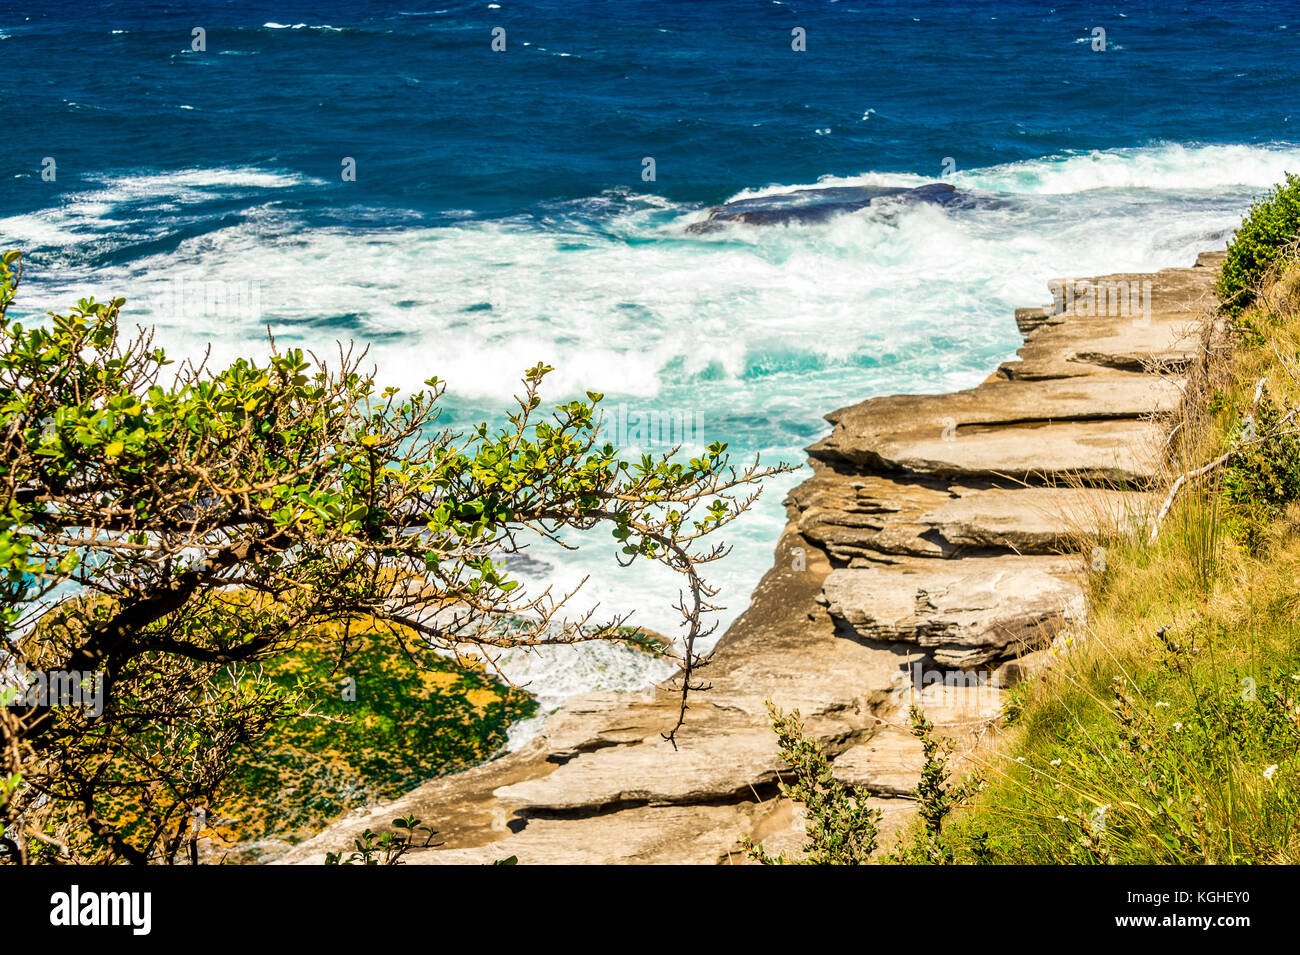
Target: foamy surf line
column 752, row 332
column 1167, row 166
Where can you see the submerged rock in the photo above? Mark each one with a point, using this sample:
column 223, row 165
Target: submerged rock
column 808, row 206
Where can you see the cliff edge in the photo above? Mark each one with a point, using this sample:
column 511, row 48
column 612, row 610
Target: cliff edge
column 930, row 557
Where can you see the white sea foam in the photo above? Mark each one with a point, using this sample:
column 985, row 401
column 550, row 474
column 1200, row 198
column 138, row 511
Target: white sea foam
column 302, row 26
column 177, row 182
column 758, row 330
column 1208, row 168
column 1166, row 168
column 86, row 217
column 554, row 674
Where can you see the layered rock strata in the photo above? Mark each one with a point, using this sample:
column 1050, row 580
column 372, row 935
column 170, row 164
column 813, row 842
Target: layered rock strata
column 935, row 545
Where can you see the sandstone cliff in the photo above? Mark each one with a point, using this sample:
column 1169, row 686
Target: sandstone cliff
column 935, row 540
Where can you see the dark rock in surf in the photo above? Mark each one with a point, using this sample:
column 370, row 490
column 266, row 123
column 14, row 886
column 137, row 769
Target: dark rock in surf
column 810, row 206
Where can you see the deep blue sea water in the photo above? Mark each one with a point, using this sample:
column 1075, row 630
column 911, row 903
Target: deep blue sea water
column 499, row 215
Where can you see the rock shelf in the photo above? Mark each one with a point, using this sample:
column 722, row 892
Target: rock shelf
column 935, row 542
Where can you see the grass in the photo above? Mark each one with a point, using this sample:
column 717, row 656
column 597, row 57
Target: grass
column 1170, row 731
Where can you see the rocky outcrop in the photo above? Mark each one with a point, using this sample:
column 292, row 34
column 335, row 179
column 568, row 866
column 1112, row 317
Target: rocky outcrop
column 932, row 554
column 808, row 206
column 970, row 613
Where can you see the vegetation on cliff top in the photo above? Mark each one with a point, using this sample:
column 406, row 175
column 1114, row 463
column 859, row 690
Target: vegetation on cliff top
column 378, row 727
column 1267, row 237
column 1169, row 732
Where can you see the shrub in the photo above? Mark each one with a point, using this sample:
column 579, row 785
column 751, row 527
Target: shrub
column 1262, row 478
column 936, row 799
column 840, row 825
column 167, row 535
column 841, row 828
column 1271, row 227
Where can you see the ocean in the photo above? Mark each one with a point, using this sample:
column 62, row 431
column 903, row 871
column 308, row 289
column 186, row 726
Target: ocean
column 471, row 188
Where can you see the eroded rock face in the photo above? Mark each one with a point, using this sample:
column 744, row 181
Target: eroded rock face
column 645, row 835
column 937, row 539
column 889, row 764
column 1098, row 430
column 1113, row 453
column 1087, row 336
column 633, row 774
column 1033, row 520
column 969, row 613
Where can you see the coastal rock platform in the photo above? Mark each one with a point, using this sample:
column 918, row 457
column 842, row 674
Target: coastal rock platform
column 937, row 535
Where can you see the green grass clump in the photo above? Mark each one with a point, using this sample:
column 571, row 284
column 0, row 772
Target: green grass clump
column 1178, row 758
